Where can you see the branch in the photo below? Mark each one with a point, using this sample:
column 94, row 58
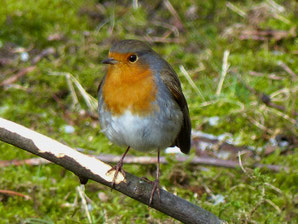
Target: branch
column 264, row 98
column 15, row 77
column 145, row 160
column 14, row 193
column 87, row 167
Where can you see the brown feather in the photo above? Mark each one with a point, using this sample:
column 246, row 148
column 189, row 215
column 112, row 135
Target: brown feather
column 170, row 79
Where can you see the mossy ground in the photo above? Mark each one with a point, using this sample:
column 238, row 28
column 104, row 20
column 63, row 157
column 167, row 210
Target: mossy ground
column 80, row 34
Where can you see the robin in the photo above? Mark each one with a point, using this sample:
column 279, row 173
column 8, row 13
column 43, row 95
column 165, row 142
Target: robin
column 141, row 104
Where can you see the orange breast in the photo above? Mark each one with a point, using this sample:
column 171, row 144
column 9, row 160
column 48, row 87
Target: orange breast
column 129, row 87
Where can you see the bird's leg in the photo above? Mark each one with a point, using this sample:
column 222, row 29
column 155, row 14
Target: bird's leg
column 156, row 182
column 118, row 167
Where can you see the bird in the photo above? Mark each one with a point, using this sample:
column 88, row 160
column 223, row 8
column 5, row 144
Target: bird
column 141, row 104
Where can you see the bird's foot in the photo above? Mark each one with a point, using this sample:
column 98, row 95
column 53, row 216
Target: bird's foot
column 155, row 188
column 117, row 168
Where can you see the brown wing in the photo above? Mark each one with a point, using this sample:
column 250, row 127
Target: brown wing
column 172, row 82
column 100, row 84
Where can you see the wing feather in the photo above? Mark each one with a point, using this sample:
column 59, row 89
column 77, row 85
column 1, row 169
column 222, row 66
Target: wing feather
column 171, row 80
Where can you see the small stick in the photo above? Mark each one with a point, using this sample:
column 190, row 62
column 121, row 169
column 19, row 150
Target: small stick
column 15, row 77
column 8, row 192
column 81, row 190
column 72, row 90
column 146, row 160
column 225, row 67
column 172, row 10
column 191, row 82
column 287, row 69
column 162, row 40
column 266, row 99
column 236, row 9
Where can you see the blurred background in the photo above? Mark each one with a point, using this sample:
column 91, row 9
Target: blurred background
column 237, row 61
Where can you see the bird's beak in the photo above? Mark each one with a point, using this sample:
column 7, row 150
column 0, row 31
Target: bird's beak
column 110, row 61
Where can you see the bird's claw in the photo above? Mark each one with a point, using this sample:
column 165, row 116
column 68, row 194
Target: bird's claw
column 117, row 168
column 155, row 188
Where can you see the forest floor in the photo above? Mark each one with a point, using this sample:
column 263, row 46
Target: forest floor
column 238, row 64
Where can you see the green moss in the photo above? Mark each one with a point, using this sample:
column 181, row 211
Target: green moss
column 41, row 100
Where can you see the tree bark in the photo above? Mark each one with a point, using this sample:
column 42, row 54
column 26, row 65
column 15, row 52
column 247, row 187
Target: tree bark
column 87, row 167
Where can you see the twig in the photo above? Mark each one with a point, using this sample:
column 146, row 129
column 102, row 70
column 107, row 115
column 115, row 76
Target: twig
column 276, row 10
column 240, row 162
column 8, row 192
column 216, row 143
column 146, row 160
column 225, row 67
column 274, row 188
column 273, row 205
column 31, row 162
column 264, row 98
column 81, row 190
column 286, row 91
column 24, row 71
column 236, row 9
column 282, row 115
column 253, row 34
column 191, row 82
column 287, row 69
column 172, row 28
column 87, row 167
column 14, row 78
column 89, row 100
column 172, row 10
column 72, row 91
column 162, row 39
column 244, row 32
column 270, row 76
column 258, row 124
column 44, row 53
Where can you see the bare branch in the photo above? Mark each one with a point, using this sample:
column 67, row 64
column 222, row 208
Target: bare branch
column 14, row 193
column 15, row 77
column 87, row 167
column 208, row 161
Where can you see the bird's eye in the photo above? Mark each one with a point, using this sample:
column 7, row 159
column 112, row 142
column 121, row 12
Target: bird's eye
column 133, row 58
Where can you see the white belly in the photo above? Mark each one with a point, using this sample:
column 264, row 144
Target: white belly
column 143, row 133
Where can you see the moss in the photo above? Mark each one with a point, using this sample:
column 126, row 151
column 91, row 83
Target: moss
column 80, row 33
